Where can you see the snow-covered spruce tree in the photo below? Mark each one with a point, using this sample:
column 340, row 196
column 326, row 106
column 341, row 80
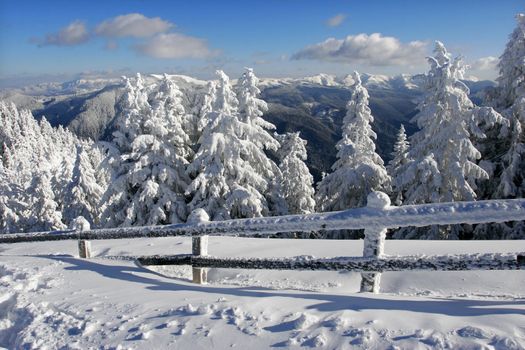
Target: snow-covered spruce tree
column 12, row 208
column 116, row 199
column 508, row 150
column 251, row 110
column 30, row 149
column 358, row 170
column 296, row 182
column 152, row 171
column 43, row 212
column 230, row 171
column 399, row 160
column 203, row 105
column 83, row 192
column 511, row 102
column 442, row 166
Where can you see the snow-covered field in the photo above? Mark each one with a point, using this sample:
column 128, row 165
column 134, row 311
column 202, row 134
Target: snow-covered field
column 50, row 299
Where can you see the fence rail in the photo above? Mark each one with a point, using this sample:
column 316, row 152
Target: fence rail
column 459, row 262
column 375, row 219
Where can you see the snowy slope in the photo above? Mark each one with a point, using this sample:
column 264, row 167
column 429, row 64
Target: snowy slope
column 59, row 301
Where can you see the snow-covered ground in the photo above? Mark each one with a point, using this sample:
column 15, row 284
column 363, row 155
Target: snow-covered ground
column 50, row 299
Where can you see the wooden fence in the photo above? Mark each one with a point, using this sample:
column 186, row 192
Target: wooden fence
column 375, row 219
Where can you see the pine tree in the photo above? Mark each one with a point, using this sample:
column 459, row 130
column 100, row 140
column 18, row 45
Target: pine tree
column 251, row 111
column 399, row 160
column 358, row 170
column 230, row 170
column 154, row 149
column 443, row 157
column 43, row 213
column 84, row 191
column 507, row 149
column 12, row 208
column 296, row 181
column 31, row 150
column 511, row 101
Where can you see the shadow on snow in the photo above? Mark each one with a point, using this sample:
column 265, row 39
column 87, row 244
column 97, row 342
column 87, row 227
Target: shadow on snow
column 328, row 302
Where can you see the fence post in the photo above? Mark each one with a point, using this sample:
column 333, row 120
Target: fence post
column 84, row 247
column 374, row 243
column 199, row 245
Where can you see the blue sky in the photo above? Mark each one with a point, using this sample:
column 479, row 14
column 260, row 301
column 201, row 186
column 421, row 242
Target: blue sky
column 60, row 40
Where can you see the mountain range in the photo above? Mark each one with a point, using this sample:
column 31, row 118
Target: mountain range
column 313, row 105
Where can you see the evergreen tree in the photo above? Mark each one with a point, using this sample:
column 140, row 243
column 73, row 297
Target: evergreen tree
column 151, row 176
column 511, row 101
column 84, row 191
column 399, row 160
column 12, row 208
column 358, row 170
column 33, row 150
column 43, row 212
column 296, row 182
column 230, row 170
column 443, row 157
column 508, row 148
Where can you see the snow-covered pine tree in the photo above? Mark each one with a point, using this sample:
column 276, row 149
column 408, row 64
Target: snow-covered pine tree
column 12, row 208
column 296, row 182
column 43, row 209
column 203, row 105
column 230, row 170
column 117, row 198
column 251, row 110
column 443, row 165
column 83, row 192
column 153, row 166
column 358, row 170
column 30, row 149
column 394, row 167
column 511, row 103
column 507, row 150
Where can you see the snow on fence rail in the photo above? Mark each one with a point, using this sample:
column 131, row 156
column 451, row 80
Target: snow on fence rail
column 375, row 219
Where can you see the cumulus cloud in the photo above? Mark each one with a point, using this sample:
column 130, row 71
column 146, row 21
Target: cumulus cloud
column 132, row 25
column 336, row 20
column 484, row 68
column 374, row 50
column 174, row 45
column 74, row 34
column 485, row 63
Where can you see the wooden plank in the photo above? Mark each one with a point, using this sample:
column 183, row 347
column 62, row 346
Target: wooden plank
column 460, row 262
column 391, row 217
column 180, row 259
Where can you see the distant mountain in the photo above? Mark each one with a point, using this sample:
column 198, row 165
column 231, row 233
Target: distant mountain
column 313, row 105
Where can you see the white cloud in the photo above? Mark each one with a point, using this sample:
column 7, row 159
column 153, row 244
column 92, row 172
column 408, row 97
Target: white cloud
column 132, row 25
column 484, row 68
column 175, row 45
column 485, row 63
column 336, row 20
column 372, row 50
column 74, row 34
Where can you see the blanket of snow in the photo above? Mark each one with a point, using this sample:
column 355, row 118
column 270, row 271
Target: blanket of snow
column 50, row 299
